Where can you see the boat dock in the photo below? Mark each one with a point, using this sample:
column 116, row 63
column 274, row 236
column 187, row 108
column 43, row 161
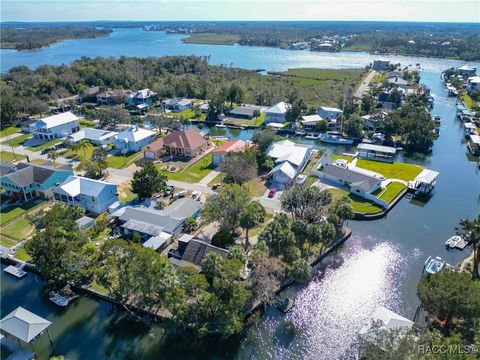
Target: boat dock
column 462, row 244
column 16, row 270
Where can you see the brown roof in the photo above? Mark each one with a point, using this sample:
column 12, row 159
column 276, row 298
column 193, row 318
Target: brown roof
column 156, row 145
column 197, row 250
column 189, row 139
column 232, row 145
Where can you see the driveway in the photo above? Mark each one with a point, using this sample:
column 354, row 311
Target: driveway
column 364, row 84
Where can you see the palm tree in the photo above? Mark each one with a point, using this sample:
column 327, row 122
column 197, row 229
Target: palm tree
column 470, row 231
column 251, row 217
column 83, row 145
column 53, row 155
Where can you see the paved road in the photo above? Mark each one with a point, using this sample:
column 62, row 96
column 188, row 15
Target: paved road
column 363, row 86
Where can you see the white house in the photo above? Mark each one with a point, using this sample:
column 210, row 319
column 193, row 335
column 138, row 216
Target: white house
column 309, row 122
column 94, row 136
column 92, row 195
column 473, row 83
column 55, row 126
column 177, row 105
column 329, row 113
column 141, row 97
column 398, row 81
column 133, row 139
column 289, row 159
column 276, row 113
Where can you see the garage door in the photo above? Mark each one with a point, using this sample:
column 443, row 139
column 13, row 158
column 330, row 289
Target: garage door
column 150, row 155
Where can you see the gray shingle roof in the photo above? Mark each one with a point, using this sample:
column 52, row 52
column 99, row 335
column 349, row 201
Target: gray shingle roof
column 197, row 249
column 27, row 174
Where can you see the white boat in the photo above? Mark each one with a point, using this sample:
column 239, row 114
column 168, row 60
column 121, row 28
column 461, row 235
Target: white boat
column 311, row 136
column 453, row 241
column 59, row 300
column 227, row 138
column 222, row 126
column 335, row 139
column 434, row 265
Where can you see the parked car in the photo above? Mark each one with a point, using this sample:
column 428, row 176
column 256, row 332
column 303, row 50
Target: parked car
column 45, row 151
column 169, row 191
column 180, row 194
column 272, row 192
column 216, row 186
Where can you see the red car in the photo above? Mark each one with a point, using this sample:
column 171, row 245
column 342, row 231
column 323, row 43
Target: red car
column 272, row 192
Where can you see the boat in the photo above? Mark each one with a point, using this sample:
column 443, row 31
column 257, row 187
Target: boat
column 226, row 138
column 62, row 297
column 223, row 126
column 335, row 139
column 16, row 270
column 311, row 136
column 453, row 241
column 434, row 265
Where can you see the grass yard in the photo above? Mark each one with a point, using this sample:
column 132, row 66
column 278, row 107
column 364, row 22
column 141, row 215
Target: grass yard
column 9, row 131
column 217, row 179
column 19, row 140
column 99, row 288
column 44, row 145
column 256, row 187
column 7, row 156
column 11, row 212
column 379, row 78
column 391, row 191
column 193, row 173
column 343, row 157
column 87, row 123
column 120, row 161
column 212, row 39
column 256, row 231
column 471, row 104
column 186, row 114
column 19, row 229
column 394, row 170
column 22, row 255
column 7, row 242
column 359, row 204
column 313, row 160
column 125, row 195
column 79, row 155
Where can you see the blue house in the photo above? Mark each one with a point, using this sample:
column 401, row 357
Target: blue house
column 133, row 139
column 28, row 181
column 92, row 195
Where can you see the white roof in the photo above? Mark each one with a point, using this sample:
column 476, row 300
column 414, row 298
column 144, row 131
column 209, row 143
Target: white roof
column 56, row 120
column 469, row 125
column 143, row 94
column 427, row 176
column 475, row 139
column 330, row 109
column 311, row 119
column 155, row 242
column 288, row 151
column 279, row 108
column 377, row 148
column 134, row 134
column 275, row 125
column 92, row 134
column 23, row 324
column 286, row 168
column 389, row 319
column 466, row 67
column 474, row 80
column 75, row 185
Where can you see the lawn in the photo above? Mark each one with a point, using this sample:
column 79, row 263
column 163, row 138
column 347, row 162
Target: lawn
column 391, row 191
column 79, row 155
column 22, row 255
column 313, row 160
column 212, row 39
column 11, row 212
column 7, row 242
column 359, row 204
column 256, row 187
column 19, row 140
column 394, row 170
column 121, row 161
column 217, row 179
column 125, row 195
column 471, row 104
column 9, row 131
column 193, row 173
column 6, row 156
column 186, row 114
column 343, row 157
column 259, row 120
column 19, row 229
column 87, row 123
column 44, row 145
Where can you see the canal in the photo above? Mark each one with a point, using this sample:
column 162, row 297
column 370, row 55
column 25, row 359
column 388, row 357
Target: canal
column 379, row 265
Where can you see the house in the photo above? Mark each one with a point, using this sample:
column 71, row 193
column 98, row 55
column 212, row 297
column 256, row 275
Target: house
column 289, row 159
column 473, row 83
column 473, row 143
column 94, row 196
column 113, row 97
column 204, row 108
column 28, row 181
column 384, row 321
column 245, row 111
column 381, row 65
column 277, row 112
column 329, row 113
column 154, row 151
column 398, row 81
column 89, row 95
column 466, row 71
column 6, row 168
column 133, row 139
column 196, row 251
column 85, row 222
column 149, row 223
column 376, row 152
column 177, row 105
column 230, row 146
column 374, row 122
column 360, row 181
column 143, row 97
column 309, row 122
column 188, row 143
column 55, row 126
column 94, row 136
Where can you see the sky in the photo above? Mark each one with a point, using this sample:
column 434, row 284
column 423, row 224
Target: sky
column 369, row 10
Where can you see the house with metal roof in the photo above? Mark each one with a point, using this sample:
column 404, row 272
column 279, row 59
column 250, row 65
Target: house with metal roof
column 309, row 122
column 55, row 126
column 276, row 113
column 24, row 325
column 28, row 181
column 94, row 196
column 133, row 139
column 398, row 81
column 177, row 105
column 329, row 113
column 94, row 136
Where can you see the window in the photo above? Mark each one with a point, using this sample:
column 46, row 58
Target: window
column 93, row 199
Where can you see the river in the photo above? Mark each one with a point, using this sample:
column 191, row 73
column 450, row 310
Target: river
column 379, row 265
